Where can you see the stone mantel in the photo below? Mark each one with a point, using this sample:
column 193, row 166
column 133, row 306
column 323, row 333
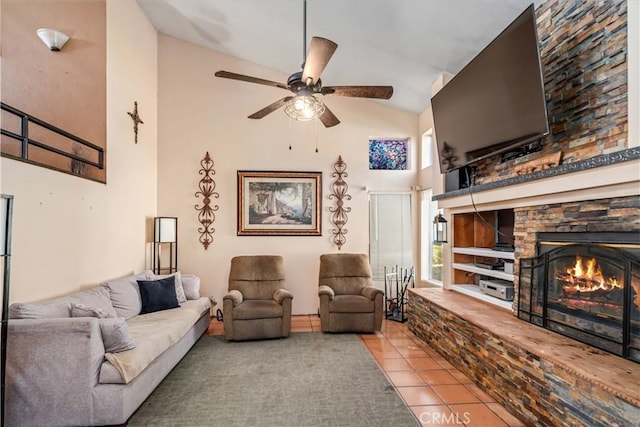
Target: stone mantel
column 615, row 175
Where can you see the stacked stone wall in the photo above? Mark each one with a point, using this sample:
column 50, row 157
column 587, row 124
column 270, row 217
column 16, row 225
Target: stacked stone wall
column 540, row 389
column 614, row 215
column 583, row 50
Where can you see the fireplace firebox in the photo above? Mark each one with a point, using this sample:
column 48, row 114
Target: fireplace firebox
column 585, row 286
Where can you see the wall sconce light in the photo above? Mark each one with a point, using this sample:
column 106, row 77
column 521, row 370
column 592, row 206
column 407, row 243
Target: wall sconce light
column 54, row 39
column 440, row 229
column 165, row 235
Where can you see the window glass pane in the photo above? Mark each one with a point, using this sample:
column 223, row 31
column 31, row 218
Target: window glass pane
column 427, row 149
column 436, row 262
column 431, row 261
column 436, row 249
column 425, row 240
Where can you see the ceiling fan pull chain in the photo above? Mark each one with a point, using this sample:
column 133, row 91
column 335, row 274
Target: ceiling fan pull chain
column 316, row 128
column 290, row 133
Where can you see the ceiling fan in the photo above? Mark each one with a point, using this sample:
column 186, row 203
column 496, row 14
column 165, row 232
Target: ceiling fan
column 305, row 84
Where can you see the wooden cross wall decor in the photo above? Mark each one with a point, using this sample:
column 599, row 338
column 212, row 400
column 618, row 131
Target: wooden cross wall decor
column 136, row 119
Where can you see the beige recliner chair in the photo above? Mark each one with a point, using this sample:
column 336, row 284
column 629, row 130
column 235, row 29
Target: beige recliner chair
column 348, row 300
column 257, row 305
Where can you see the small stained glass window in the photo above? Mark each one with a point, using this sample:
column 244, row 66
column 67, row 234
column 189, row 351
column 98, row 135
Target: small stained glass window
column 388, row 154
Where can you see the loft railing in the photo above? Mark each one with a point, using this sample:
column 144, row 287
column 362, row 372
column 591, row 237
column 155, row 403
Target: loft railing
column 77, row 162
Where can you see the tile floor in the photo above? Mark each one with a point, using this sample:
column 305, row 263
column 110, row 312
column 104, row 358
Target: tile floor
column 436, row 392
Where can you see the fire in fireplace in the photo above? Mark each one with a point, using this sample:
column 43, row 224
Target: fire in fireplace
column 585, row 286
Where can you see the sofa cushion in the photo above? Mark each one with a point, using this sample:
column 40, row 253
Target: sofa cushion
column 42, row 310
column 178, row 284
column 153, row 334
column 125, row 294
column 158, row 294
column 191, row 286
column 97, row 297
column 81, row 310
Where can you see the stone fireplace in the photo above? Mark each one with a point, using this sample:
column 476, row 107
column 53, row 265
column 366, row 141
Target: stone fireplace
column 585, row 285
column 583, row 368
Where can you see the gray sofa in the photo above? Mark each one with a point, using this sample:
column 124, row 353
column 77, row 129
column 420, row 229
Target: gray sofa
column 58, row 371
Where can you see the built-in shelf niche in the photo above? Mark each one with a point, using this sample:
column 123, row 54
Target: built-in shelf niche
column 475, row 235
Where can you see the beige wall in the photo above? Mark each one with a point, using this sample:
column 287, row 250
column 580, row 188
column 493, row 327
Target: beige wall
column 199, row 112
column 69, row 232
column 66, row 89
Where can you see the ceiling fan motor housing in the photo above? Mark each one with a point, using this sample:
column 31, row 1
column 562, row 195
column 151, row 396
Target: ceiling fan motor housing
column 297, row 86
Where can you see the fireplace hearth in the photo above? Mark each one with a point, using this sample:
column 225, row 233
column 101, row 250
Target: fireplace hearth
column 585, row 286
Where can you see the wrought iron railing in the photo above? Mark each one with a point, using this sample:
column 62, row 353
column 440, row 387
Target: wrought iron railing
column 77, row 161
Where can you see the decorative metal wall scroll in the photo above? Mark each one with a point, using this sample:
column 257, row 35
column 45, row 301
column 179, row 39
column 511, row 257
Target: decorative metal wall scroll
column 339, row 213
column 136, row 119
column 206, row 215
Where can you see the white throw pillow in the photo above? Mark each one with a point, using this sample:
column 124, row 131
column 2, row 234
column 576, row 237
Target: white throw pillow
column 191, row 286
column 179, row 285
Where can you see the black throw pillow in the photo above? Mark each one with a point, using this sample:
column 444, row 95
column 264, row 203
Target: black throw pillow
column 158, row 295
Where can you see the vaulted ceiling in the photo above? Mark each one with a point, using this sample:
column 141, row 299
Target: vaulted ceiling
column 403, row 43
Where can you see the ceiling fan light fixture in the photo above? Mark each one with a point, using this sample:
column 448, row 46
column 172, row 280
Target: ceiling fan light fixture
column 304, row 108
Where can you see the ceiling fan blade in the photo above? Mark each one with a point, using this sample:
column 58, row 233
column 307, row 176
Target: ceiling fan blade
column 320, row 51
column 242, row 77
column 270, row 108
column 328, row 119
column 381, row 92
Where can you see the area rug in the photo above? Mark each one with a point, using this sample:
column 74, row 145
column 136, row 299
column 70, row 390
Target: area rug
column 308, row 379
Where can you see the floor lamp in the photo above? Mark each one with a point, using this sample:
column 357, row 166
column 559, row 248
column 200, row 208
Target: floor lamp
column 165, row 238
column 6, row 210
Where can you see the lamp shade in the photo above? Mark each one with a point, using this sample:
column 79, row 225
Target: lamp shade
column 165, row 229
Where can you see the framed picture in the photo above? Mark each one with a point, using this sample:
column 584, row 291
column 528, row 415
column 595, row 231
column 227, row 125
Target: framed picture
column 388, row 154
column 279, row 203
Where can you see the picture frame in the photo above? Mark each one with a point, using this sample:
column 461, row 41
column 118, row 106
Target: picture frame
column 272, row 203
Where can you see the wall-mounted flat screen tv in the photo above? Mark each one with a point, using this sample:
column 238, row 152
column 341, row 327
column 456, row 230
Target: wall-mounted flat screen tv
column 496, row 102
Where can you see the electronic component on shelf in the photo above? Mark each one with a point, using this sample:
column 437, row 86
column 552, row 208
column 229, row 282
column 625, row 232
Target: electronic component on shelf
column 503, row 247
column 497, row 288
column 508, row 267
column 489, row 266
